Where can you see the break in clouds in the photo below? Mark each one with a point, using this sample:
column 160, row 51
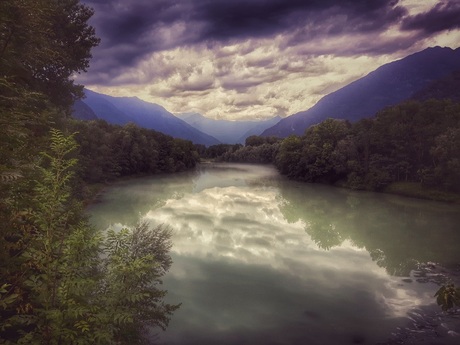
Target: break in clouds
column 255, row 58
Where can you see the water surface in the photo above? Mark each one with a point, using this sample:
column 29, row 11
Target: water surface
column 262, row 260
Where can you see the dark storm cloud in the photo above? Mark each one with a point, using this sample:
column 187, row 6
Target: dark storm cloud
column 239, row 19
column 130, row 29
column 131, row 20
column 444, row 16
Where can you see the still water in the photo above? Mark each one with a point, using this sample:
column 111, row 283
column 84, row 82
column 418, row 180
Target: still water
column 262, row 260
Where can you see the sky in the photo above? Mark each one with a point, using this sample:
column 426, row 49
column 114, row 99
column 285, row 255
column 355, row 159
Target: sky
column 255, row 59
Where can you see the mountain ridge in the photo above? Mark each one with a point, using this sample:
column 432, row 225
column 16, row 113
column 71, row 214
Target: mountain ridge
column 387, row 85
column 122, row 110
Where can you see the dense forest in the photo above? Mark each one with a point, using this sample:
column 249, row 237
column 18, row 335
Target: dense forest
column 62, row 281
column 107, row 152
column 411, row 142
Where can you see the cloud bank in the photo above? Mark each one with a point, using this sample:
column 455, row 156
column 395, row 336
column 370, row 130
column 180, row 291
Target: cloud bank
column 245, row 59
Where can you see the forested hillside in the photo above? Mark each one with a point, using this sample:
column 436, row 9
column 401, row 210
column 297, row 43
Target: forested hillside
column 409, row 142
column 444, row 88
column 412, row 142
column 62, row 281
column 109, row 151
column 388, row 85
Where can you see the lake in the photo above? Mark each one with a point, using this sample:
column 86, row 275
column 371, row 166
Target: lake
column 258, row 259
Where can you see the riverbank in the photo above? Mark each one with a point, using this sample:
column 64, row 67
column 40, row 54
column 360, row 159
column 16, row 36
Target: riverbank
column 416, row 190
column 406, row 189
column 429, row 325
column 91, row 192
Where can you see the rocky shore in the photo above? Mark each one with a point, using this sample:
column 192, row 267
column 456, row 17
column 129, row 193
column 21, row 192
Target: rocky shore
column 430, row 325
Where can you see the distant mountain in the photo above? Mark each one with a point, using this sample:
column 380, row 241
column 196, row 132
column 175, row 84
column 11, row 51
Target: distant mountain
column 444, row 88
column 228, row 132
column 82, row 112
column 121, row 110
column 387, row 85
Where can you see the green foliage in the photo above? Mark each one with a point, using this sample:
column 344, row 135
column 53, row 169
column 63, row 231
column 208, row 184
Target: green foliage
column 255, row 140
column 410, row 142
column 135, row 261
column 110, row 151
column 447, row 297
column 216, row 151
column 445, row 88
column 42, row 43
column 57, row 285
column 74, row 286
column 262, row 150
column 6, row 297
column 289, row 156
column 47, row 270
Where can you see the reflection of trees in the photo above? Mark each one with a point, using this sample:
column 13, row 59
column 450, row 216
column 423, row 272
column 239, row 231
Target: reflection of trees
column 396, row 232
column 126, row 202
column 320, row 228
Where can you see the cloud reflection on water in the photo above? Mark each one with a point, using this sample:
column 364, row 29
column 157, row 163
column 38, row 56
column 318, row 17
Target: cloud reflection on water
column 246, row 273
column 243, row 226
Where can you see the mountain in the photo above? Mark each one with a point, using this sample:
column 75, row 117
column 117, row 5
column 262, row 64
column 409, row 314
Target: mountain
column 387, row 85
column 82, row 112
column 447, row 87
column 228, row 132
column 121, row 110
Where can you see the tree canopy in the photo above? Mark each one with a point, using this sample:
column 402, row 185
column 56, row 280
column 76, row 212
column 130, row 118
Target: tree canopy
column 61, row 280
column 412, row 142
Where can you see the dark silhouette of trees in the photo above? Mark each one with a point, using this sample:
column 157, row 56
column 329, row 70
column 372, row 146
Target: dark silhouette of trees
column 61, row 281
column 410, row 142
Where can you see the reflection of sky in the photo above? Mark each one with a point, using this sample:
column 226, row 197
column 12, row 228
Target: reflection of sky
column 244, row 226
column 246, row 275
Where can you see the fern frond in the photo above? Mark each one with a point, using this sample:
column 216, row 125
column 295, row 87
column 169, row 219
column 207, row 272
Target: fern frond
column 10, row 176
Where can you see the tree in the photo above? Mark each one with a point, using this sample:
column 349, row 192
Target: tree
column 74, row 287
column 410, row 142
column 132, row 270
column 52, row 268
column 287, row 159
column 43, row 43
column 320, row 159
column 50, row 279
column 254, row 140
column 446, row 157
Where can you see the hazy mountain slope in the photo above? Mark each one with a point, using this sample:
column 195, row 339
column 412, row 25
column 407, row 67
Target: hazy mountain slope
column 121, row 110
column 81, row 111
column 260, row 128
column 444, row 88
column 228, row 132
column 100, row 104
column 387, row 85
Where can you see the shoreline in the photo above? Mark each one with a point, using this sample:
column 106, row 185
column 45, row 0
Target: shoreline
column 415, row 190
column 429, row 325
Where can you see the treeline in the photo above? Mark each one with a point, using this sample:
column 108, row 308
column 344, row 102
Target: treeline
column 261, row 150
column 61, row 280
column 109, row 151
column 410, row 142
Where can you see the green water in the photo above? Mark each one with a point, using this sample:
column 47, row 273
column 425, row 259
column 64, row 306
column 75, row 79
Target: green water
column 262, row 260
